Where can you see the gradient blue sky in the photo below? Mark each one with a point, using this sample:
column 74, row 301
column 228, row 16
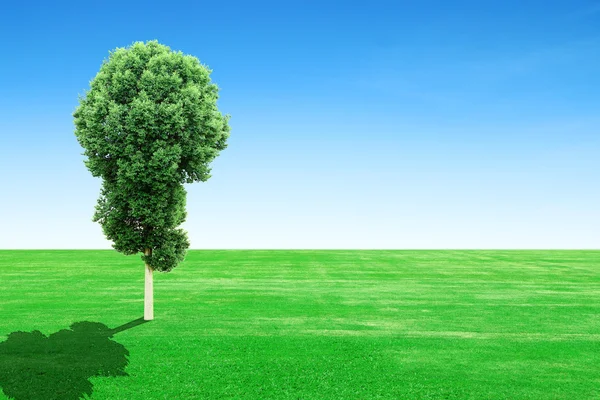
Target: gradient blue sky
column 400, row 124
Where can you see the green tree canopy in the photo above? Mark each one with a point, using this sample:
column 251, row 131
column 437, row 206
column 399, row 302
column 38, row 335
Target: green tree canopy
column 149, row 123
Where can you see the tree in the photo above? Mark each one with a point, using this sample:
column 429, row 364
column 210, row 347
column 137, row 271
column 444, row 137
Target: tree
column 148, row 124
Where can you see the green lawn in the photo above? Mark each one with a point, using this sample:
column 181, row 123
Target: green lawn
column 303, row 325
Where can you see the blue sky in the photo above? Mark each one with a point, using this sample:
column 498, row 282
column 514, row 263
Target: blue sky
column 399, row 125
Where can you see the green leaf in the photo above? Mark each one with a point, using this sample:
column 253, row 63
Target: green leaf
column 148, row 124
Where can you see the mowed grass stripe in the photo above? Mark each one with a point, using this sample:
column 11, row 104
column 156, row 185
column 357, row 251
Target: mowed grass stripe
column 327, row 324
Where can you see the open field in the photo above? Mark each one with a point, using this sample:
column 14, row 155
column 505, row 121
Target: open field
column 303, row 325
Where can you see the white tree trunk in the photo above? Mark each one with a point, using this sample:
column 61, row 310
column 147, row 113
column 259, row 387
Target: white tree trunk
column 148, row 292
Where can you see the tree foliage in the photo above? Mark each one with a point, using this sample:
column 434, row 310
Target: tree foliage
column 148, row 124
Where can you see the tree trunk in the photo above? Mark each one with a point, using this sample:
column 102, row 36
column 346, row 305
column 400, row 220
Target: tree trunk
column 148, row 291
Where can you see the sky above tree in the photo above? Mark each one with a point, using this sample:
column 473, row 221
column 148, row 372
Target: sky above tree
column 396, row 124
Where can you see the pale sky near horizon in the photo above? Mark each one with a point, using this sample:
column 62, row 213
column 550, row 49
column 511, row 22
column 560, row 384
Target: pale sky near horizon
column 398, row 125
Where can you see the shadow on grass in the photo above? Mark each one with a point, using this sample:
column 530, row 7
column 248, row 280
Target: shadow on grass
column 38, row 367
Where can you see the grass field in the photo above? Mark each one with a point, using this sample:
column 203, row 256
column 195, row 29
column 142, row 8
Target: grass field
column 303, row 325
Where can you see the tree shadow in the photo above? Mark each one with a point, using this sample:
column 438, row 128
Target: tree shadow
column 38, row 367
